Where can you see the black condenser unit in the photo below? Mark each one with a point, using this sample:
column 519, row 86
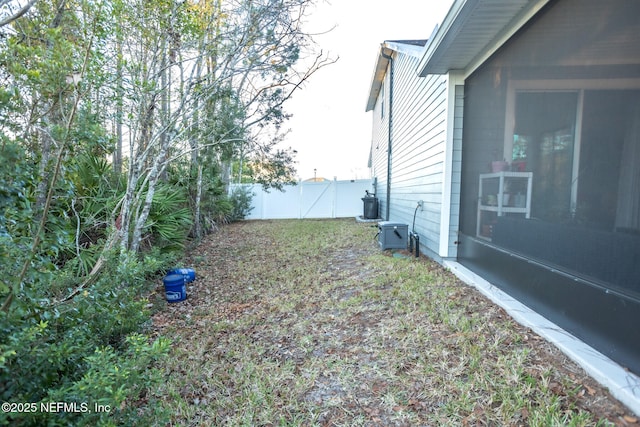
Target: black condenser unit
column 392, row 235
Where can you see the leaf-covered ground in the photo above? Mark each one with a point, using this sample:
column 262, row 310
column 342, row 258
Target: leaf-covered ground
column 307, row 322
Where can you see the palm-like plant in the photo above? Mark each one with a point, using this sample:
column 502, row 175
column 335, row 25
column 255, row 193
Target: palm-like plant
column 169, row 220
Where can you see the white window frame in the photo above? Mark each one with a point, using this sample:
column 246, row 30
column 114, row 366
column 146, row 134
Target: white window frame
column 579, row 86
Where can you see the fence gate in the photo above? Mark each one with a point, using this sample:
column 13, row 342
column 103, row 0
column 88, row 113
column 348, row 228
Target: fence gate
column 325, row 199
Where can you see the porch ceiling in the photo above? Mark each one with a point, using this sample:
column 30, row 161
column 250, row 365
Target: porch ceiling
column 469, row 31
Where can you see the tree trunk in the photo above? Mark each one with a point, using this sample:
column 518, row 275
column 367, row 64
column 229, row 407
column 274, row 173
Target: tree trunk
column 226, row 174
column 198, row 222
column 154, row 176
column 117, row 155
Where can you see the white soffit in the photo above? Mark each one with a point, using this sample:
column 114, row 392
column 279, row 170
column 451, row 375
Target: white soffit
column 407, row 47
column 378, row 76
column 473, row 29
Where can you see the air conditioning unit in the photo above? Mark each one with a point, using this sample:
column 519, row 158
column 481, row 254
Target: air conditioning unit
column 392, row 235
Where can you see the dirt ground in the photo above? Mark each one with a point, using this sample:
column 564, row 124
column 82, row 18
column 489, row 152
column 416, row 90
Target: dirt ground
column 322, row 331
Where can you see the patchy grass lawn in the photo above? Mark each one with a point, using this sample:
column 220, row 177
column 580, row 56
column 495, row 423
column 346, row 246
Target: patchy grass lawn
column 307, row 322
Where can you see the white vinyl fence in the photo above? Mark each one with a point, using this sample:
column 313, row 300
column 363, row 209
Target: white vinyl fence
column 326, row 199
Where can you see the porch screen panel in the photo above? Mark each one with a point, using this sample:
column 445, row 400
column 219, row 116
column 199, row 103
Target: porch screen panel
column 609, row 180
column 544, row 142
column 561, row 101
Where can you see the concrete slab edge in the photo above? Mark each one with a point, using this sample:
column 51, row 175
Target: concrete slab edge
column 622, row 384
column 364, row 220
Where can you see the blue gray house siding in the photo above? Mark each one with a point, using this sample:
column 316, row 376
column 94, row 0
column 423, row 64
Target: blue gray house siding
column 379, row 145
column 425, row 153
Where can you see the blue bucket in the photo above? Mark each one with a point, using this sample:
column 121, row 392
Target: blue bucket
column 175, row 288
column 188, row 273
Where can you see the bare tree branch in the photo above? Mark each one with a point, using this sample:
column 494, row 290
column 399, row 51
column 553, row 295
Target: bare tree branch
column 9, row 19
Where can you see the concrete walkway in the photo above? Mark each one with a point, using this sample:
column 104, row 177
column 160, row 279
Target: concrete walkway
column 622, row 384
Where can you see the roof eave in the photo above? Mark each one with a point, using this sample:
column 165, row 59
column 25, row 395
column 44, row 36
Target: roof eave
column 413, row 48
column 443, row 36
column 449, row 48
column 378, row 76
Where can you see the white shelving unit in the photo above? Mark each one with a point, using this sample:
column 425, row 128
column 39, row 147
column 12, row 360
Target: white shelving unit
column 495, row 195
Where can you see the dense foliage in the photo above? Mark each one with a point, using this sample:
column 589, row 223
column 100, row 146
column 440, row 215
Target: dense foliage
column 122, row 123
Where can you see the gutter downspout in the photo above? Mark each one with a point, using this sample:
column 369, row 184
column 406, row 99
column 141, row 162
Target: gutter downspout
column 390, row 139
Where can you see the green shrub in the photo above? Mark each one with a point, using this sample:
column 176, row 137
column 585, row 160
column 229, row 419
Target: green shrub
column 241, row 198
column 86, row 350
column 113, row 381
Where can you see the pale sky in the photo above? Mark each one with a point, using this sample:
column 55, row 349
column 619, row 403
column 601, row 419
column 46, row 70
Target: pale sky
column 330, row 129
